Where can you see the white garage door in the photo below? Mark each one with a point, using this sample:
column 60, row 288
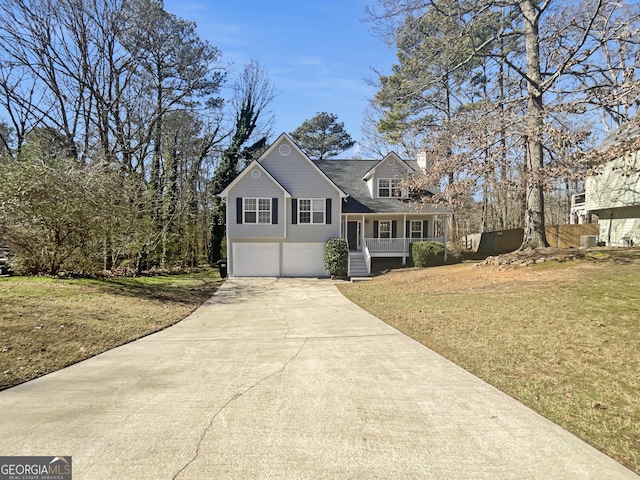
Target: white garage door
column 303, row 260
column 256, row 260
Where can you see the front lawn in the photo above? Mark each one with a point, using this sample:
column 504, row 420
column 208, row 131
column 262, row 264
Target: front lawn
column 563, row 338
column 49, row 323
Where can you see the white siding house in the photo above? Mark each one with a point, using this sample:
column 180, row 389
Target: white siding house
column 613, row 194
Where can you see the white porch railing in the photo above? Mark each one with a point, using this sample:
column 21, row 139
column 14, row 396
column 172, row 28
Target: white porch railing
column 395, row 245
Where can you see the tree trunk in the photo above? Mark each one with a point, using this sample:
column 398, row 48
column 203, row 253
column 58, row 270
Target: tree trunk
column 503, row 190
column 108, row 251
column 156, row 159
column 534, row 234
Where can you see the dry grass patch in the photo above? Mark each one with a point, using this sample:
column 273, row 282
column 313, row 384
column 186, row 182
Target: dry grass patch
column 563, row 338
column 48, row 323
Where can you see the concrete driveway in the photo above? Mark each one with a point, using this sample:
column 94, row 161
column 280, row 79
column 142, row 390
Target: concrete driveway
column 285, row 379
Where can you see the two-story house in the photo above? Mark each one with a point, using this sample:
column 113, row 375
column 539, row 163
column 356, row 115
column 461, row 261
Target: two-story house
column 613, row 193
column 284, row 206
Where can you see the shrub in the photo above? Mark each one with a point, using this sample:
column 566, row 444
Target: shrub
column 427, row 254
column 59, row 215
column 336, row 257
column 455, row 253
column 49, row 209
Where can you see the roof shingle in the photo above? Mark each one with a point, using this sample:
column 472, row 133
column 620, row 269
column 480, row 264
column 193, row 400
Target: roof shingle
column 347, row 174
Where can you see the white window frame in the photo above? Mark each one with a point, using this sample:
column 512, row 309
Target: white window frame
column 261, row 209
column 412, row 230
column 392, row 188
column 386, row 230
column 316, row 208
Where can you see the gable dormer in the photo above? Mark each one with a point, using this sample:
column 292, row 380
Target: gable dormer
column 383, row 180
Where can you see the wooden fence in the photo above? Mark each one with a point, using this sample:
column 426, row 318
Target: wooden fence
column 567, row 236
column 558, row 236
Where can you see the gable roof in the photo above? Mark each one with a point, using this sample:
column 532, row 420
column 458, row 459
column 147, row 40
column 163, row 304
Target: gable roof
column 284, row 138
column 390, row 159
column 349, row 174
column 626, row 133
column 246, row 171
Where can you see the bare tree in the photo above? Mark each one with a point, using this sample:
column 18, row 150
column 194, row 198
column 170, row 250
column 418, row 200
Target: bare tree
column 126, row 87
column 253, row 95
column 175, row 67
column 32, row 51
column 557, row 50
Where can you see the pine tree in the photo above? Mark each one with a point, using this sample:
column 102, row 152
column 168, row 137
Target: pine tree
column 322, row 136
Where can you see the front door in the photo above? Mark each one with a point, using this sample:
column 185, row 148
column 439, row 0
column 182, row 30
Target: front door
column 353, row 235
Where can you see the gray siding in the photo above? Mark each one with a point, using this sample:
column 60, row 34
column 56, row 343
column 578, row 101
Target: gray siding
column 302, row 179
column 298, row 176
column 262, row 187
column 314, row 232
column 383, row 170
column 386, row 171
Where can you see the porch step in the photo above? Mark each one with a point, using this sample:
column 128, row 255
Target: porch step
column 357, row 266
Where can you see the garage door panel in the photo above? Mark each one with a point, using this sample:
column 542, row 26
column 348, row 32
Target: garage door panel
column 256, row 260
column 303, row 260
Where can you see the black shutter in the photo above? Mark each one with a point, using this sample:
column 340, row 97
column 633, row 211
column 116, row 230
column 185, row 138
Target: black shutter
column 274, row 211
column 425, row 229
column 239, row 210
column 327, row 212
column 294, row 211
column 407, row 231
column 394, row 229
column 375, row 229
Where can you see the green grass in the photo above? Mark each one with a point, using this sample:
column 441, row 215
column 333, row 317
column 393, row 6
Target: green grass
column 49, row 323
column 563, row 338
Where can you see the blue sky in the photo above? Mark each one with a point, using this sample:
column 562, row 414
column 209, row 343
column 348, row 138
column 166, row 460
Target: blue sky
column 317, row 53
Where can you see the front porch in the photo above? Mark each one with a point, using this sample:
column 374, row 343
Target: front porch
column 387, row 236
column 360, row 258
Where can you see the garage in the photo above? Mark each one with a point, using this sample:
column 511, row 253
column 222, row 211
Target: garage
column 256, row 260
column 303, row 260
column 263, row 260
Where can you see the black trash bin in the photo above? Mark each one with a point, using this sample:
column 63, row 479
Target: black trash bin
column 4, row 261
column 222, row 265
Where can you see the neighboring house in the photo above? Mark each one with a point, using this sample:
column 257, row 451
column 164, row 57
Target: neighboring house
column 578, row 214
column 613, row 194
column 283, row 208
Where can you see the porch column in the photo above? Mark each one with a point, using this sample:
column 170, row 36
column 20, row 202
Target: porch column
column 363, row 234
column 405, row 252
